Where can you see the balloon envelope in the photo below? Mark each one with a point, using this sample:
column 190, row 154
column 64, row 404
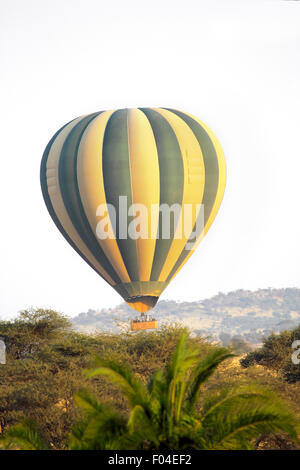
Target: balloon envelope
column 111, row 180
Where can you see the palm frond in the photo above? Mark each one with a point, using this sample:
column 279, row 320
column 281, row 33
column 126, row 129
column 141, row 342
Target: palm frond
column 158, row 392
column 226, row 398
column 76, row 440
column 131, row 386
column 239, row 424
column 101, row 429
column 141, row 427
column 86, row 401
column 24, row 436
column 184, row 357
column 202, row 372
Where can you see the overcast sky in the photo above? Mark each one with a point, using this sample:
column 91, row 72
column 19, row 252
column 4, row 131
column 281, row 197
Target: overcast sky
column 234, row 64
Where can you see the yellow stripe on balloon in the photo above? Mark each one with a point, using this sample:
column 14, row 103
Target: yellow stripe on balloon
column 194, row 181
column 220, row 190
column 145, row 184
column 57, row 199
column 91, row 187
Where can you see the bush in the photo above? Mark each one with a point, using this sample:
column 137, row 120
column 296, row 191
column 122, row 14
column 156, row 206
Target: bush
column 276, row 354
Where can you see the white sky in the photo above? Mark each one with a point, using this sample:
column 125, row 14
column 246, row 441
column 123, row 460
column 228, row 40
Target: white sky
column 234, row 64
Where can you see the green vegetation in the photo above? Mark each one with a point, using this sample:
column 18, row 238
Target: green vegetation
column 276, row 354
column 198, row 399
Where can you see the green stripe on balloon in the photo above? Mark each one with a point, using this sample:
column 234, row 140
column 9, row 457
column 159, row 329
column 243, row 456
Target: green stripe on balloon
column 117, row 182
column 44, row 186
column 71, row 196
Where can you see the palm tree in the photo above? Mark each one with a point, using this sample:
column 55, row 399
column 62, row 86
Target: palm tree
column 164, row 413
column 170, row 412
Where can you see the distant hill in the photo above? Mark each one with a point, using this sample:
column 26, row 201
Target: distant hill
column 241, row 314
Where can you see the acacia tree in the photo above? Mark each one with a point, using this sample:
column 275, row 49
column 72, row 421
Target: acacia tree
column 32, row 329
column 39, row 376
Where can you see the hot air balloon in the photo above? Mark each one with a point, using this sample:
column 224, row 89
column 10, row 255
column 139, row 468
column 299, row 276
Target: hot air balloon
column 109, row 177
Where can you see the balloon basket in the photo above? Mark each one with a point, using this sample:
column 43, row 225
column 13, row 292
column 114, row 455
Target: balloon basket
column 144, row 322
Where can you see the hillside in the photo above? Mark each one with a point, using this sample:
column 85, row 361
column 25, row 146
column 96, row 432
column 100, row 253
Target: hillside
column 249, row 315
